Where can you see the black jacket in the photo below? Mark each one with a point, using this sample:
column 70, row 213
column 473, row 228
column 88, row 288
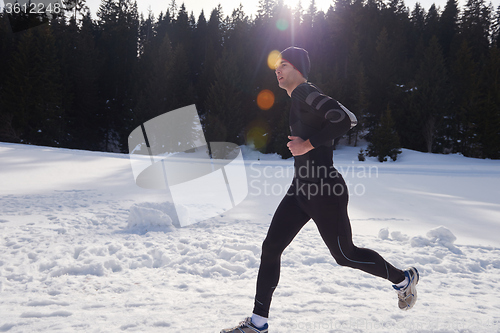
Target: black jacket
column 321, row 119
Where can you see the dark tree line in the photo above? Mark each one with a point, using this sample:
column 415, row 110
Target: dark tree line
column 86, row 83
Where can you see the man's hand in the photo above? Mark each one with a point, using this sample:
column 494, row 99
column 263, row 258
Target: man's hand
column 298, row 146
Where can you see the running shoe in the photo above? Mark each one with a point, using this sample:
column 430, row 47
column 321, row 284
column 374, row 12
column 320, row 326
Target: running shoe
column 408, row 295
column 246, row 326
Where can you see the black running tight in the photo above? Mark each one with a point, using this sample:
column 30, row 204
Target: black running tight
column 326, row 204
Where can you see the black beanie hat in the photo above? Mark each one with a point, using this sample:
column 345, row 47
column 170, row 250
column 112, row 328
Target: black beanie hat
column 299, row 58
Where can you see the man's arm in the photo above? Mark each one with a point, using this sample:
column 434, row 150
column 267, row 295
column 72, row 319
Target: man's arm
column 340, row 118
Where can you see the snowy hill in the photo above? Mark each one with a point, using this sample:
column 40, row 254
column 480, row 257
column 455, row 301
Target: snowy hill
column 83, row 249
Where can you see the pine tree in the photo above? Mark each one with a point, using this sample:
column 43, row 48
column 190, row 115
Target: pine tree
column 431, row 95
column 164, row 24
column 20, row 81
column 382, row 77
column 181, row 30
column 488, row 115
column 154, row 80
column 117, row 44
column 212, row 47
column 266, row 8
column 83, row 64
column 448, row 26
column 342, row 33
column 398, row 27
column 466, row 95
column 356, row 83
column 32, row 94
column 224, row 105
column 431, row 23
column 310, row 16
column 199, row 50
column 147, row 31
column 173, row 8
column 182, row 91
column 404, row 109
column 385, row 140
column 298, row 13
column 417, row 19
column 7, row 132
column 475, row 27
column 398, row 7
column 74, row 7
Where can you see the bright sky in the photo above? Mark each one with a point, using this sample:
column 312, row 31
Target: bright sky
column 249, row 6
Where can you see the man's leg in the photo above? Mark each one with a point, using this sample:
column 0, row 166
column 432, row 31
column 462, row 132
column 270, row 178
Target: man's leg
column 329, row 212
column 287, row 221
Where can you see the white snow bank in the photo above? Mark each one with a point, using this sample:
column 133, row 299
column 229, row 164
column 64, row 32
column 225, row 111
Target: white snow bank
column 439, row 236
column 384, row 233
column 444, row 237
column 147, row 217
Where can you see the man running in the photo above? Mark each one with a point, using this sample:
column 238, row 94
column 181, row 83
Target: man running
column 317, row 192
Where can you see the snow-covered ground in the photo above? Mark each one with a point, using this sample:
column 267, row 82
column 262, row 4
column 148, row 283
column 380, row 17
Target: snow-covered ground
column 83, row 249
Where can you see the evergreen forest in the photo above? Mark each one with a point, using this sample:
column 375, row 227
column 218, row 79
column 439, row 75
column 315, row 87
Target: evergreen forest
column 428, row 76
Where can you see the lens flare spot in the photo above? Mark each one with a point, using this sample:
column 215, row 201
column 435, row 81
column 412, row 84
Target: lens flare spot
column 257, row 135
column 272, row 58
column 282, row 24
column 265, row 99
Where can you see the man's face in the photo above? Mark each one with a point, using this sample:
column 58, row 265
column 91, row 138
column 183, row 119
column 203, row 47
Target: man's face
column 286, row 73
